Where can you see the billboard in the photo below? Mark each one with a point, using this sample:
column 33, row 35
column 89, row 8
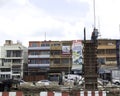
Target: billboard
column 65, row 50
column 77, row 55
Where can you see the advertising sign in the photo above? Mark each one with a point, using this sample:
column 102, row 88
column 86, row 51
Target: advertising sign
column 65, row 50
column 77, row 55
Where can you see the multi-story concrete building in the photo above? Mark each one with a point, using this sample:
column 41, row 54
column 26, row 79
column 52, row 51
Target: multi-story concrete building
column 107, row 52
column 13, row 57
column 107, row 57
column 38, row 60
column 48, row 59
column 60, row 58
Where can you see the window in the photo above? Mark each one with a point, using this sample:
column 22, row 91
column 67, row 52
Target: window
column 3, row 60
column 65, row 61
column 111, row 51
column 101, row 51
column 66, row 44
column 7, row 76
column 34, row 61
column 45, row 44
column 14, row 53
column 34, row 44
column 17, row 53
column 42, row 45
column 9, row 52
column 16, row 61
column 55, row 52
column 57, row 61
column 34, row 53
column 44, row 52
column 5, row 69
column 45, row 61
column 56, row 44
column 2, row 76
column 110, row 59
column 7, row 60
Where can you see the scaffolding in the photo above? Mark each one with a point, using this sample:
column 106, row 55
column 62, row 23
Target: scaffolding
column 90, row 66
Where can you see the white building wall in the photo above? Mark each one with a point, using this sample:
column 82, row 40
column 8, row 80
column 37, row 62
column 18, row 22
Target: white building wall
column 9, row 65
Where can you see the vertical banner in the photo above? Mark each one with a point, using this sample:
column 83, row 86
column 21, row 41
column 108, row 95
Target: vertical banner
column 118, row 52
column 77, row 55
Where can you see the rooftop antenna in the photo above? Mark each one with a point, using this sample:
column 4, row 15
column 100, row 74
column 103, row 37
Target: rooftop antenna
column 99, row 26
column 119, row 27
column 45, row 36
column 94, row 13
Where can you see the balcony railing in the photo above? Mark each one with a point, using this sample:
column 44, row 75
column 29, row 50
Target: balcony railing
column 60, row 65
column 38, row 65
column 39, row 56
column 39, row 48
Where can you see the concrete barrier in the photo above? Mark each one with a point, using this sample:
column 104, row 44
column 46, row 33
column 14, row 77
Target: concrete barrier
column 18, row 93
column 81, row 93
column 54, row 93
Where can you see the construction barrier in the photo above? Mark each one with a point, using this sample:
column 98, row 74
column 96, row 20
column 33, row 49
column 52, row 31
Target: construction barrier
column 18, row 93
column 54, row 93
column 81, row 93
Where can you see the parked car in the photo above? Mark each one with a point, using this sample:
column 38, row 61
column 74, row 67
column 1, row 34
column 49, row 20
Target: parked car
column 103, row 82
column 22, row 82
column 116, row 81
column 44, row 82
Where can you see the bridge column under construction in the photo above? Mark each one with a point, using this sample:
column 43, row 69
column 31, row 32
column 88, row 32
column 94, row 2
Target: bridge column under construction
column 90, row 65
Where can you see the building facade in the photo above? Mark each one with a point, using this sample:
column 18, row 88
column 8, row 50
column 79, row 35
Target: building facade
column 38, row 60
column 13, row 57
column 107, row 52
column 48, row 60
column 52, row 59
column 60, row 59
column 107, row 57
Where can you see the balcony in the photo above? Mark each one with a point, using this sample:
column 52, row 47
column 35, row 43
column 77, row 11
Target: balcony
column 60, row 65
column 16, row 64
column 39, row 48
column 38, row 65
column 6, row 65
column 13, row 57
column 39, row 56
column 106, row 47
column 55, row 56
column 56, row 48
column 106, row 55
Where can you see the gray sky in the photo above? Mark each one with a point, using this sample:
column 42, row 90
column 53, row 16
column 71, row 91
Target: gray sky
column 29, row 20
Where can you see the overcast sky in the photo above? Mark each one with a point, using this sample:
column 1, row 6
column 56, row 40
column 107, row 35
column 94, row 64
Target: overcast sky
column 29, row 20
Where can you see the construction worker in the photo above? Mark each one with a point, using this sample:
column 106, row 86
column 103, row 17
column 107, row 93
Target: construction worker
column 94, row 35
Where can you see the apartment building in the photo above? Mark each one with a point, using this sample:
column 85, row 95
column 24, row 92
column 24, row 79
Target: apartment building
column 60, row 59
column 51, row 59
column 48, row 59
column 107, row 52
column 107, row 57
column 13, row 58
column 38, row 60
